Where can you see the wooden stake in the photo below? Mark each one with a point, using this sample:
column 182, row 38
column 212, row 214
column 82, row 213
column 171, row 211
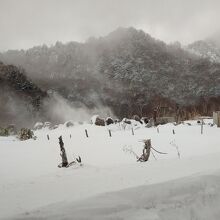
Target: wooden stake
column 110, row 134
column 202, row 127
column 132, row 130
column 48, row 137
column 86, row 133
column 173, row 131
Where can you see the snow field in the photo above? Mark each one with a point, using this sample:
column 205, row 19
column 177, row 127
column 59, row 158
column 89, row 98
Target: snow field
column 30, row 178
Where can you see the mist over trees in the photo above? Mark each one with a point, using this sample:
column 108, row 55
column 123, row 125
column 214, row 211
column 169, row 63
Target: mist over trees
column 128, row 71
column 20, row 99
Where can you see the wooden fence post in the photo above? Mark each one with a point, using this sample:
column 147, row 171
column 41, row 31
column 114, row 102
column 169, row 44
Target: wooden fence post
column 86, row 133
column 202, row 127
column 132, row 130
column 110, row 134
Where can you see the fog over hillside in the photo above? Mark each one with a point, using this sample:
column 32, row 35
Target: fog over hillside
column 128, row 71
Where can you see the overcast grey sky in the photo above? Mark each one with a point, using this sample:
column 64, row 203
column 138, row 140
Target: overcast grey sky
column 25, row 23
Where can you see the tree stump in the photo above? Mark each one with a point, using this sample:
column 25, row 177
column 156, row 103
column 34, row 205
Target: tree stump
column 63, row 153
column 146, row 151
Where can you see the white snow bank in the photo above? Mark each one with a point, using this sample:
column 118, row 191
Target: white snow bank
column 183, row 199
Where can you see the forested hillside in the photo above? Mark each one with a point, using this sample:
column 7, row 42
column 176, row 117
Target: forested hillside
column 128, row 71
column 20, row 99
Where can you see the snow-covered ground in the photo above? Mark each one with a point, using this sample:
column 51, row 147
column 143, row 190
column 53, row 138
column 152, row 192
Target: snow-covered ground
column 111, row 184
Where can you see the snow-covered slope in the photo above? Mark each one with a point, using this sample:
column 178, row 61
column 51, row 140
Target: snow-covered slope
column 32, row 184
column 195, row 197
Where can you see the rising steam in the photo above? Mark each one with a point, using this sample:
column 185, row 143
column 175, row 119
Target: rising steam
column 59, row 110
